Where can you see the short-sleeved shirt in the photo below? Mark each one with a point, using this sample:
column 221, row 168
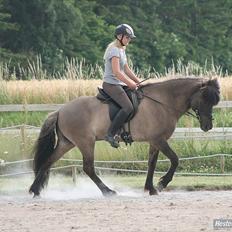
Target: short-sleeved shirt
column 111, row 52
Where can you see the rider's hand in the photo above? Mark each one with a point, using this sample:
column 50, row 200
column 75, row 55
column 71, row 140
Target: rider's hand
column 137, row 84
column 132, row 85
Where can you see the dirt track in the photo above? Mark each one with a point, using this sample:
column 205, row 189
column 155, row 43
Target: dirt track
column 130, row 211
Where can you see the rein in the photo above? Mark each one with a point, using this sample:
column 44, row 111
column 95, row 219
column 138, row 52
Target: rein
column 189, row 114
column 161, row 103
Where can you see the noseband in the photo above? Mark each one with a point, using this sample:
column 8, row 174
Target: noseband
column 196, row 115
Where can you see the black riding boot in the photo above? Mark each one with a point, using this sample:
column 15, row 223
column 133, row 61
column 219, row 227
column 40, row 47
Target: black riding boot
column 116, row 124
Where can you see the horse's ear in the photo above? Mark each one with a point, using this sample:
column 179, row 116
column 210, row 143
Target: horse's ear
column 211, row 92
column 214, row 83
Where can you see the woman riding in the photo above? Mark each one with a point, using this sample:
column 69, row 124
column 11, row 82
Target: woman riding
column 118, row 75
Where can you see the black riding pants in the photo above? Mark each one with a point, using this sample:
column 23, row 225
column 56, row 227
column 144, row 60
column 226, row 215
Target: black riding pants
column 118, row 94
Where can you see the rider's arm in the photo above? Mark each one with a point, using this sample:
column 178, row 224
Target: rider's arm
column 120, row 75
column 131, row 74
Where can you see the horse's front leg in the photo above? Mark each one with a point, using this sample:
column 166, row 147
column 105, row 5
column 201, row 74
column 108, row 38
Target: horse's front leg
column 167, row 151
column 153, row 155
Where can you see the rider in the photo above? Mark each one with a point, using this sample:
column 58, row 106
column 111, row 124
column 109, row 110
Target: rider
column 118, row 74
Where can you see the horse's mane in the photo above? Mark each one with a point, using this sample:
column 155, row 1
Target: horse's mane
column 211, row 91
column 210, row 88
column 173, row 81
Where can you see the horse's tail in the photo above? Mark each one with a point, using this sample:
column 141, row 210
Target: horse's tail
column 43, row 149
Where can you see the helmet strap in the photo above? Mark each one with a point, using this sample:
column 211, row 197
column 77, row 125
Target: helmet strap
column 120, row 40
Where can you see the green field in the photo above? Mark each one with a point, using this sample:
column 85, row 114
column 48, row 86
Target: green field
column 12, row 148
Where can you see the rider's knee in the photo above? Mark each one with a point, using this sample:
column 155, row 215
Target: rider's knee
column 129, row 109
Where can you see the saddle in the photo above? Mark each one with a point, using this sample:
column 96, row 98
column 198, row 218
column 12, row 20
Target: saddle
column 135, row 96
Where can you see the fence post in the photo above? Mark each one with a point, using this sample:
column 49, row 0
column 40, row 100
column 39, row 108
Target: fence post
column 74, row 174
column 23, row 140
column 222, row 163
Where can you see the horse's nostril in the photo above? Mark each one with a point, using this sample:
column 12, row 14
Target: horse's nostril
column 209, row 127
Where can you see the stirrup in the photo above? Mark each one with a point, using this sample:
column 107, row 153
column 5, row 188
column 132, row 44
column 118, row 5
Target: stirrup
column 112, row 141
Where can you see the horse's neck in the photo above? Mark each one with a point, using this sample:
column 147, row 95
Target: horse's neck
column 182, row 94
column 176, row 93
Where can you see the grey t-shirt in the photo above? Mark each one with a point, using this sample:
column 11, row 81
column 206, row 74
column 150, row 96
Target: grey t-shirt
column 111, row 52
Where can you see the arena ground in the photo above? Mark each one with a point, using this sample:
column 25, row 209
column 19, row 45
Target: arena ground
column 84, row 209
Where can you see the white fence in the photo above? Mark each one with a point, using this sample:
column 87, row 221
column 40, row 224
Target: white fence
column 53, row 107
column 78, row 165
column 217, row 133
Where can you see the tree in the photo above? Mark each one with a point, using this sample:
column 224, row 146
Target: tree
column 203, row 26
column 167, row 30
column 6, row 26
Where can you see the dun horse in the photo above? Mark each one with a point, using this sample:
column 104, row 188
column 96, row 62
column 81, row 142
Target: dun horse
column 85, row 120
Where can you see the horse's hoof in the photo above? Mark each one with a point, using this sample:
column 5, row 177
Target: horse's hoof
column 110, row 193
column 152, row 191
column 160, row 186
column 36, row 196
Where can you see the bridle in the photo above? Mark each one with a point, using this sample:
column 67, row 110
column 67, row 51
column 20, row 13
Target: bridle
column 188, row 113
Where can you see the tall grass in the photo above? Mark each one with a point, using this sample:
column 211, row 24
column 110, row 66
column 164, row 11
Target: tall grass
column 45, row 91
column 33, row 84
column 61, row 91
column 70, row 69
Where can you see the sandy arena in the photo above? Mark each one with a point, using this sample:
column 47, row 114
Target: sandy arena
column 83, row 209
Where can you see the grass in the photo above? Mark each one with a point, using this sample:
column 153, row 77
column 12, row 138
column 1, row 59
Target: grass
column 45, row 91
column 13, row 147
column 8, row 119
column 179, row 182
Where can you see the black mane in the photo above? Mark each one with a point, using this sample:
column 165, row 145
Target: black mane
column 210, row 88
column 174, row 82
column 211, row 91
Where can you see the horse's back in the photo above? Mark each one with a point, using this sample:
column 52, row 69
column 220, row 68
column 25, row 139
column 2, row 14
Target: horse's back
column 84, row 116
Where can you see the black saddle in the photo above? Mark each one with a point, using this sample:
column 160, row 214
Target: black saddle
column 134, row 95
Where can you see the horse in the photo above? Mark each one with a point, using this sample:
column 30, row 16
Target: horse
column 85, row 120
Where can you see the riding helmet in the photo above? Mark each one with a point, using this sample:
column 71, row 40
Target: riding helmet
column 124, row 29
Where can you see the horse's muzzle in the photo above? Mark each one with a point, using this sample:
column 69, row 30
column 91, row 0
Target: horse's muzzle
column 206, row 127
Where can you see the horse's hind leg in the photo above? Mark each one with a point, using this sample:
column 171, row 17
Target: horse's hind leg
column 153, row 155
column 87, row 149
column 42, row 174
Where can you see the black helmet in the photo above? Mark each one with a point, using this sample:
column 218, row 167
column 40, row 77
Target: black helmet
column 124, row 29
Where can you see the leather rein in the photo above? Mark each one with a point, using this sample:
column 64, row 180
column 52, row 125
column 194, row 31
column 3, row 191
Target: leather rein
column 188, row 113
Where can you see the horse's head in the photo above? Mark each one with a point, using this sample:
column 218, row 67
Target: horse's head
column 202, row 103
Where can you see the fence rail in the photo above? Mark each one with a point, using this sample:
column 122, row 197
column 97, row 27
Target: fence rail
column 53, row 107
column 217, row 133
column 78, row 164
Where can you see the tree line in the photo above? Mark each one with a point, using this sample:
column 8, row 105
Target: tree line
column 166, row 30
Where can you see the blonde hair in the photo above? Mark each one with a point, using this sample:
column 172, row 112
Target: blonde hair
column 115, row 43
